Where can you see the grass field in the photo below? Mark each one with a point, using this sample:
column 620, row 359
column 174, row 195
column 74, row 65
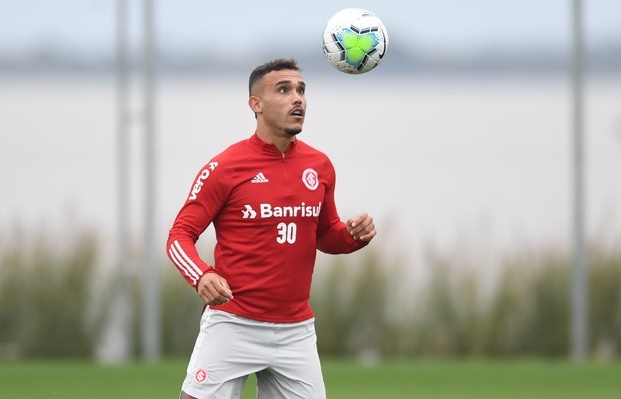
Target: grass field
column 411, row 380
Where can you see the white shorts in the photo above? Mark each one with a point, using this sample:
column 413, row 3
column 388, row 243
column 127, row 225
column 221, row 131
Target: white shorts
column 229, row 348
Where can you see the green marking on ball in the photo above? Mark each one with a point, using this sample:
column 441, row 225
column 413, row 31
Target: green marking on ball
column 357, row 45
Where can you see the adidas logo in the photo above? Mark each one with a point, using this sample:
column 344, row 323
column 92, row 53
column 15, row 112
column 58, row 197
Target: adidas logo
column 259, row 178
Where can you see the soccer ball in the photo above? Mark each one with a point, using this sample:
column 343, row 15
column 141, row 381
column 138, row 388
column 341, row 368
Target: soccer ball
column 355, row 40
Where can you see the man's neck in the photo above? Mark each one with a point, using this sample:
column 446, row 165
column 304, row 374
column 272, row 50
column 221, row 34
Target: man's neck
column 282, row 142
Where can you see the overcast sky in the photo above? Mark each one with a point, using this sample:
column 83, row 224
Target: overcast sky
column 446, row 25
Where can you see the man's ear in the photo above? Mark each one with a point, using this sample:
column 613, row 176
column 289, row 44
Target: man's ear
column 255, row 104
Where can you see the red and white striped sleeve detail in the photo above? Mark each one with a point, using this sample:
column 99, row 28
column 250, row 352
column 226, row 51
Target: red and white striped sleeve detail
column 184, row 263
column 186, row 259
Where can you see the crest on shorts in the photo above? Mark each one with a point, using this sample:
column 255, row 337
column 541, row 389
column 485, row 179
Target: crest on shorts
column 200, row 376
column 310, row 179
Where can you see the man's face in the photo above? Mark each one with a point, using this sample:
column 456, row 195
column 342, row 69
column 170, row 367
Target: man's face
column 280, row 101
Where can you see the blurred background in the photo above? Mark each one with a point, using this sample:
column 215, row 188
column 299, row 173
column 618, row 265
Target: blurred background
column 459, row 144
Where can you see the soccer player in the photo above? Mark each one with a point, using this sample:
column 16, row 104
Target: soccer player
column 271, row 201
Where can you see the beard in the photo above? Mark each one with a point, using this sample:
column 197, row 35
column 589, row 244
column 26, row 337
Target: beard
column 292, row 131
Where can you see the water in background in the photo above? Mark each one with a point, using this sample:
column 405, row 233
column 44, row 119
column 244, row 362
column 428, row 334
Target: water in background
column 442, row 160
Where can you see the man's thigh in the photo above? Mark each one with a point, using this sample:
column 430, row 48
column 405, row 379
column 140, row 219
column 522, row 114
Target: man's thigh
column 295, row 369
column 225, row 353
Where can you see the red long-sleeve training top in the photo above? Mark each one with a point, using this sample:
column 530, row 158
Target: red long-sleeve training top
column 271, row 212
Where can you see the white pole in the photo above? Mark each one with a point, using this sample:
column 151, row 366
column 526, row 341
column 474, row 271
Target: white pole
column 579, row 278
column 123, row 307
column 151, row 316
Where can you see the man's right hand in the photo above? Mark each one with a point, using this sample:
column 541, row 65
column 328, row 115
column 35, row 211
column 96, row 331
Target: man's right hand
column 214, row 290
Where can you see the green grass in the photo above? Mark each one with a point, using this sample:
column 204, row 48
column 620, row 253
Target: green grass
column 344, row 379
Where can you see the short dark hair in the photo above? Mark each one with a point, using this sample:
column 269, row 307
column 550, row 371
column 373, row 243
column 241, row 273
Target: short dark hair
column 276, row 65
